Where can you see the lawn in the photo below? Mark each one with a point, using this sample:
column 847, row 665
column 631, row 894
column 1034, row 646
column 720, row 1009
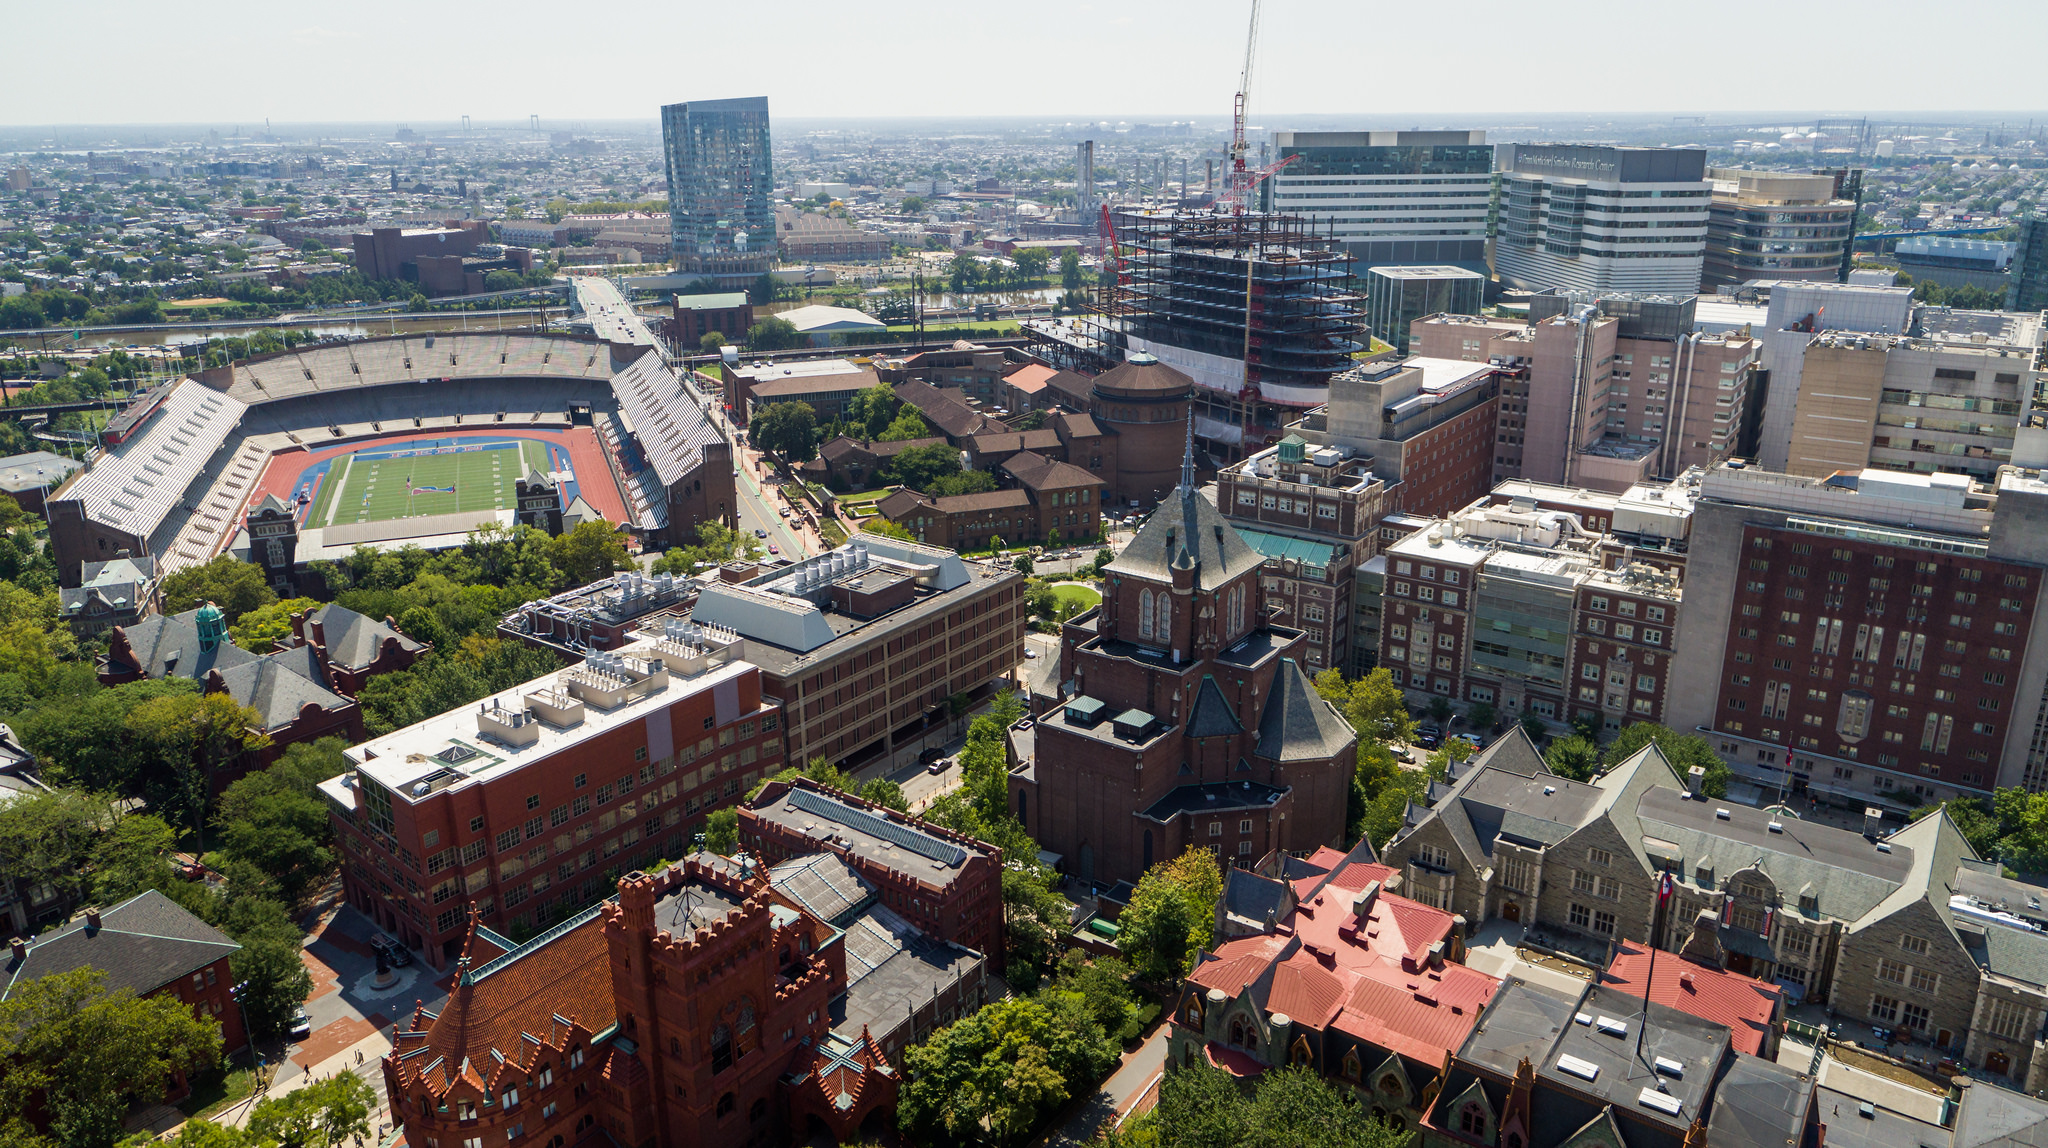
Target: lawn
column 1082, row 596
column 396, row 482
column 216, row 1090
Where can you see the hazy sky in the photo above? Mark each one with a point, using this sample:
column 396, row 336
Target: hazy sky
column 424, row 60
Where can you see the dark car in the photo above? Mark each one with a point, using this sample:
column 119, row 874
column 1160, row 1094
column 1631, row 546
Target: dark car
column 1429, row 737
column 930, row 755
column 393, row 952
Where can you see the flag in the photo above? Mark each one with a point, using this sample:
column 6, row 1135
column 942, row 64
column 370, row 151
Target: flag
column 433, row 490
column 1664, row 889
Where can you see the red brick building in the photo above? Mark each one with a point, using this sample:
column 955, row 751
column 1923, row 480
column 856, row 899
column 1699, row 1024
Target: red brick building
column 1320, row 965
column 1145, row 404
column 1052, row 502
column 522, row 805
column 354, row 648
column 693, row 1009
column 1189, row 721
column 949, row 885
column 150, row 946
column 695, row 316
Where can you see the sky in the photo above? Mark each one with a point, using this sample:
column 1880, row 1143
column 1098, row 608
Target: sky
column 1389, row 64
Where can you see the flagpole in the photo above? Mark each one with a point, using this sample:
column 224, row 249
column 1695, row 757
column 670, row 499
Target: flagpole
column 1656, row 921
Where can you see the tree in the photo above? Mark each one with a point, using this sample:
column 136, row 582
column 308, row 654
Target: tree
column 1200, row 1106
column 590, row 551
column 920, row 467
column 712, row 341
column 908, row 424
column 1022, row 564
column 259, row 629
column 716, row 544
column 236, row 587
column 1535, row 727
column 1171, row 915
column 1070, row 271
column 761, row 291
column 134, row 856
column 964, row 274
column 46, row 837
column 502, row 280
column 1453, row 752
column 773, row 334
column 1439, row 709
column 324, row 1114
column 274, row 821
column 882, row 791
column 1681, row 750
column 1373, row 705
column 1573, row 757
column 269, row 962
column 869, row 412
column 886, row 529
column 992, row 1076
column 87, row 1052
column 722, row 831
column 1031, row 262
column 1481, row 715
column 787, row 429
column 191, row 736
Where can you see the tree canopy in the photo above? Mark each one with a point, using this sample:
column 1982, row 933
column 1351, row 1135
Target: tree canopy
column 773, row 334
column 991, row 1077
column 1681, row 750
column 1201, row 1106
column 1172, row 915
column 787, row 429
column 235, row 586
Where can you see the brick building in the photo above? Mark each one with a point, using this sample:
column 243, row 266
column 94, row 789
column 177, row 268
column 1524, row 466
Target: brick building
column 948, row 885
column 1542, row 600
column 691, row 1008
column 854, row 464
column 522, row 806
column 352, row 648
column 1868, row 636
column 1055, row 502
column 150, row 946
column 1179, row 716
column 297, row 693
column 394, row 252
column 825, row 385
column 1426, row 424
column 976, row 372
column 669, row 425
column 865, row 646
column 694, row 316
column 1334, row 972
column 1313, row 515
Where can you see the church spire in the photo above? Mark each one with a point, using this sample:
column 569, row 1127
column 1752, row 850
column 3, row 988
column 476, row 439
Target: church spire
column 1187, row 460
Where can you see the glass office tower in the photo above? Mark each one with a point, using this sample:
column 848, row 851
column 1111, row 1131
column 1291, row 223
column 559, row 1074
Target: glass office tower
column 720, row 181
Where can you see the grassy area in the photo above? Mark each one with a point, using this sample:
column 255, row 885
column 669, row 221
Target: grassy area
column 999, row 326
column 1082, row 596
column 831, row 532
column 216, row 1091
column 208, row 301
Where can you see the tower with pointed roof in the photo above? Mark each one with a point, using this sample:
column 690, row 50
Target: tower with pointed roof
column 273, row 529
column 1178, row 717
column 539, row 502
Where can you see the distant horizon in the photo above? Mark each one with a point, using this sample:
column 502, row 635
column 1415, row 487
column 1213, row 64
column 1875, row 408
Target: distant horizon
column 378, row 61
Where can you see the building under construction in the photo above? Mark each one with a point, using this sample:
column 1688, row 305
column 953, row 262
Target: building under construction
column 1258, row 308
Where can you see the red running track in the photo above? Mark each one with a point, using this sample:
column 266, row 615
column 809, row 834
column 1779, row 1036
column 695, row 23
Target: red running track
column 594, row 481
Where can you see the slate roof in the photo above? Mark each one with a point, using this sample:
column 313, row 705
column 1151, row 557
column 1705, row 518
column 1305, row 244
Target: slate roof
column 354, row 640
column 1212, row 714
column 277, row 686
column 1187, row 529
column 1760, row 1104
column 167, row 645
column 1012, row 441
column 2009, row 952
column 1299, row 725
column 142, row 944
column 947, row 412
column 1034, row 471
column 2000, row 1118
column 1077, row 425
column 985, row 500
column 1255, row 900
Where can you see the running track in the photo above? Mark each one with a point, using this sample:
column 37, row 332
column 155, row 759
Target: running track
column 281, row 476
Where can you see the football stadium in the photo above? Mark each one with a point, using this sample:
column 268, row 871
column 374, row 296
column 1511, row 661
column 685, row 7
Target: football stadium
column 405, row 440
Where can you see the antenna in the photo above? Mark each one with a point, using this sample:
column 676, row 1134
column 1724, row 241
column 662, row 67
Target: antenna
column 1187, row 460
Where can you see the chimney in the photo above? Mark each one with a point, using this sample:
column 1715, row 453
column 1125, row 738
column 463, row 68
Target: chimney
column 1362, row 904
column 20, row 948
column 319, row 629
column 1873, row 822
column 1705, row 946
column 1695, row 778
column 92, row 919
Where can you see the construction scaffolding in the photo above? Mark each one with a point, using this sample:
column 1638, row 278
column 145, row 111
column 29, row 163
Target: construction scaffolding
column 1258, row 307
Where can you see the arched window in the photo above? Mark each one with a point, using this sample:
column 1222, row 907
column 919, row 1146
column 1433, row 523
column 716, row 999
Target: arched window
column 1514, row 1140
column 758, row 1111
column 1194, row 1013
column 1301, row 1056
column 746, row 1021
column 726, row 1104
column 1472, row 1120
column 721, row 1049
column 1237, row 1033
column 1162, row 620
column 1144, row 613
column 1351, row 1065
column 1391, row 1085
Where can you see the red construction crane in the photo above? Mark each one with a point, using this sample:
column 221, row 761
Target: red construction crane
column 1241, row 181
column 1112, row 249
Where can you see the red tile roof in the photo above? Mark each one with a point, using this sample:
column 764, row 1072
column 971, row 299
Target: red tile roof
column 1231, row 1060
column 1746, row 1005
column 1030, row 378
column 1237, row 963
column 568, row 976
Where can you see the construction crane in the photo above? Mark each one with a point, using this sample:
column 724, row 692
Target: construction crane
column 1241, row 180
column 1112, row 249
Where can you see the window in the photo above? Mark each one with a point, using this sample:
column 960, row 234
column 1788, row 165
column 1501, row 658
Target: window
column 1580, row 916
column 1891, row 970
column 1912, row 944
column 726, row 1104
column 2005, row 1018
column 1925, row 982
column 1912, row 1016
column 1599, row 857
column 1884, row 1008
column 1603, row 922
column 1472, row 1121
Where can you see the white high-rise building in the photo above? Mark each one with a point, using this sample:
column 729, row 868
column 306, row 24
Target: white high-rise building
column 1590, row 218
column 1391, row 198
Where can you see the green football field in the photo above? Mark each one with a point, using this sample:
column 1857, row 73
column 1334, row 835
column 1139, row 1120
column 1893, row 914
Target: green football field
column 383, row 483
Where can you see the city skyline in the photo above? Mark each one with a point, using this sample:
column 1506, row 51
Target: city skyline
column 1312, row 54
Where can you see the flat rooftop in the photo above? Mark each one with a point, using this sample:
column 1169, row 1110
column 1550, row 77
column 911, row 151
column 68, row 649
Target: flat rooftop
column 458, row 748
column 763, row 371
column 868, row 832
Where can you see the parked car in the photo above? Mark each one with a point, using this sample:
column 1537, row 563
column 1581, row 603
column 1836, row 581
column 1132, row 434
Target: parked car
column 1429, row 737
column 929, row 755
column 398, row 955
column 774, row 549
column 302, row 1025
column 936, row 767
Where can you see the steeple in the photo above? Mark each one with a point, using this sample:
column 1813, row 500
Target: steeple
column 1187, row 460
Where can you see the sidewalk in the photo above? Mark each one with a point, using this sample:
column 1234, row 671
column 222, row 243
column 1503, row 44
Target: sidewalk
column 1123, row 1092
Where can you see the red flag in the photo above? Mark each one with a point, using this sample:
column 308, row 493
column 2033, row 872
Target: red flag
column 1664, row 889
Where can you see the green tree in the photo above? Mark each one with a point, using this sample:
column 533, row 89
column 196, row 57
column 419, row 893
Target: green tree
column 502, row 280
column 47, row 837
column 1373, row 705
column 259, row 629
column 1171, row 915
column 1070, row 271
column 269, row 962
column 964, row 274
column 324, row 1114
column 869, row 412
column 920, row 467
column 1681, row 750
column 908, row 424
column 88, row 1052
column 1200, row 1106
column 1031, row 262
column 1573, row 757
column 236, row 587
column 1482, row 716
column 787, row 429
column 882, row 791
column 275, row 820
column 712, row 341
column 191, row 736
column 590, row 551
column 761, row 291
column 722, row 831
column 1535, row 727
column 1976, row 823
column 773, row 334
column 135, row 855
column 991, row 1077
column 886, row 528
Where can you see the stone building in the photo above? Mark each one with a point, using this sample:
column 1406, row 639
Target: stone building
column 1179, row 716
column 539, row 501
column 1905, row 930
column 694, row 1007
column 273, row 541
